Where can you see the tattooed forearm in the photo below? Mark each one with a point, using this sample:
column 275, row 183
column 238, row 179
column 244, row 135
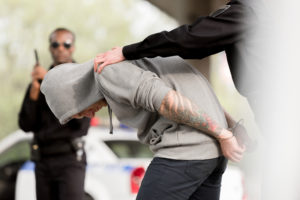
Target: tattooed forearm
column 181, row 110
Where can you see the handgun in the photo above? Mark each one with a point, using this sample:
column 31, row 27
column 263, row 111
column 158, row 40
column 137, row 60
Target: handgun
column 37, row 62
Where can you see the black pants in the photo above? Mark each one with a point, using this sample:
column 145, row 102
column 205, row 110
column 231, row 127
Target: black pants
column 167, row 179
column 60, row 177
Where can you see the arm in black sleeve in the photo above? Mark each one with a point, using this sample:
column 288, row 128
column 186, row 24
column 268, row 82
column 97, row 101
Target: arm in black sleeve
column 28, row 115
column 207, row 36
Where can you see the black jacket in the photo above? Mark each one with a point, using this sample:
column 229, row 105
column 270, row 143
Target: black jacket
column 226, row 29
column 37, row 117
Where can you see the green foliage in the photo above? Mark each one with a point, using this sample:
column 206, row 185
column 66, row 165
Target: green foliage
column 26, row 24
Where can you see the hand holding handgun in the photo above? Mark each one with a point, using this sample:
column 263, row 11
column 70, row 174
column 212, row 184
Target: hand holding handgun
column 37, row 76
column 38, row 72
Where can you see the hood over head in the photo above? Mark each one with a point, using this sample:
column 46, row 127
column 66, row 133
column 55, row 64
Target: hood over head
column 70, row 88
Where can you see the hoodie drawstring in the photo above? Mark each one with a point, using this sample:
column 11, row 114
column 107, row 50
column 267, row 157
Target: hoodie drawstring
column 110, row 120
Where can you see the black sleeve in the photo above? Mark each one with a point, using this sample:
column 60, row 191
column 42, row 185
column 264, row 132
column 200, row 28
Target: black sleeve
column 28, row 115
column 206, row 36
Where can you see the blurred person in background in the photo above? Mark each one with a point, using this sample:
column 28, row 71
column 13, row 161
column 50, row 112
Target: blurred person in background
column 174, row 109
column 57, row 150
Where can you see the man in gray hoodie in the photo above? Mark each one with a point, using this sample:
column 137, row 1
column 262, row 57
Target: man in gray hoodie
column 174, row 109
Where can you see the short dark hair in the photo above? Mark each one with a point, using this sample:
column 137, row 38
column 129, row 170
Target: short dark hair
column 61, row 29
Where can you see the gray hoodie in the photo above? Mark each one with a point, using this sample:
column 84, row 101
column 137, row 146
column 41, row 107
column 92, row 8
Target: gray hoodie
column 134, row 91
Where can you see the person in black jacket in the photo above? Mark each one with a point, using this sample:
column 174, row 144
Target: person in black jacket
column 57, row 150
column 232, row 29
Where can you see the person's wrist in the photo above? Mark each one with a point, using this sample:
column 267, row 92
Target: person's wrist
column 34, row 94
column 224, row 135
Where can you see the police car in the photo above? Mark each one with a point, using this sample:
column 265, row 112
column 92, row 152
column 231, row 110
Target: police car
column 116, row 166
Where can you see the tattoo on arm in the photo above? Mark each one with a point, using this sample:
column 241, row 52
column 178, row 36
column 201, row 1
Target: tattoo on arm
column 181, row 110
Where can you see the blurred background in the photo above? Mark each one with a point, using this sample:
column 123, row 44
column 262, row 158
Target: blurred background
column 100, row 25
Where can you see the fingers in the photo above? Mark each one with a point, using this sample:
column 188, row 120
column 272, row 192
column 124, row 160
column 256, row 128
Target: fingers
column 100, row 63
column 101, row 67
column 232, row 150
column 234, row 156
column 115, row 55
column 38, row 73
column 99, row 59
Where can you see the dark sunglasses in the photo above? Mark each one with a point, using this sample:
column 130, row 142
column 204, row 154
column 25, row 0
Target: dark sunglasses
column 55, row 45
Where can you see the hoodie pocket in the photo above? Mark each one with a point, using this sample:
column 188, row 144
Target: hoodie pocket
column 159, row 128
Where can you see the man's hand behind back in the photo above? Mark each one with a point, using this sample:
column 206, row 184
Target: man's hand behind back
column 231, row 149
